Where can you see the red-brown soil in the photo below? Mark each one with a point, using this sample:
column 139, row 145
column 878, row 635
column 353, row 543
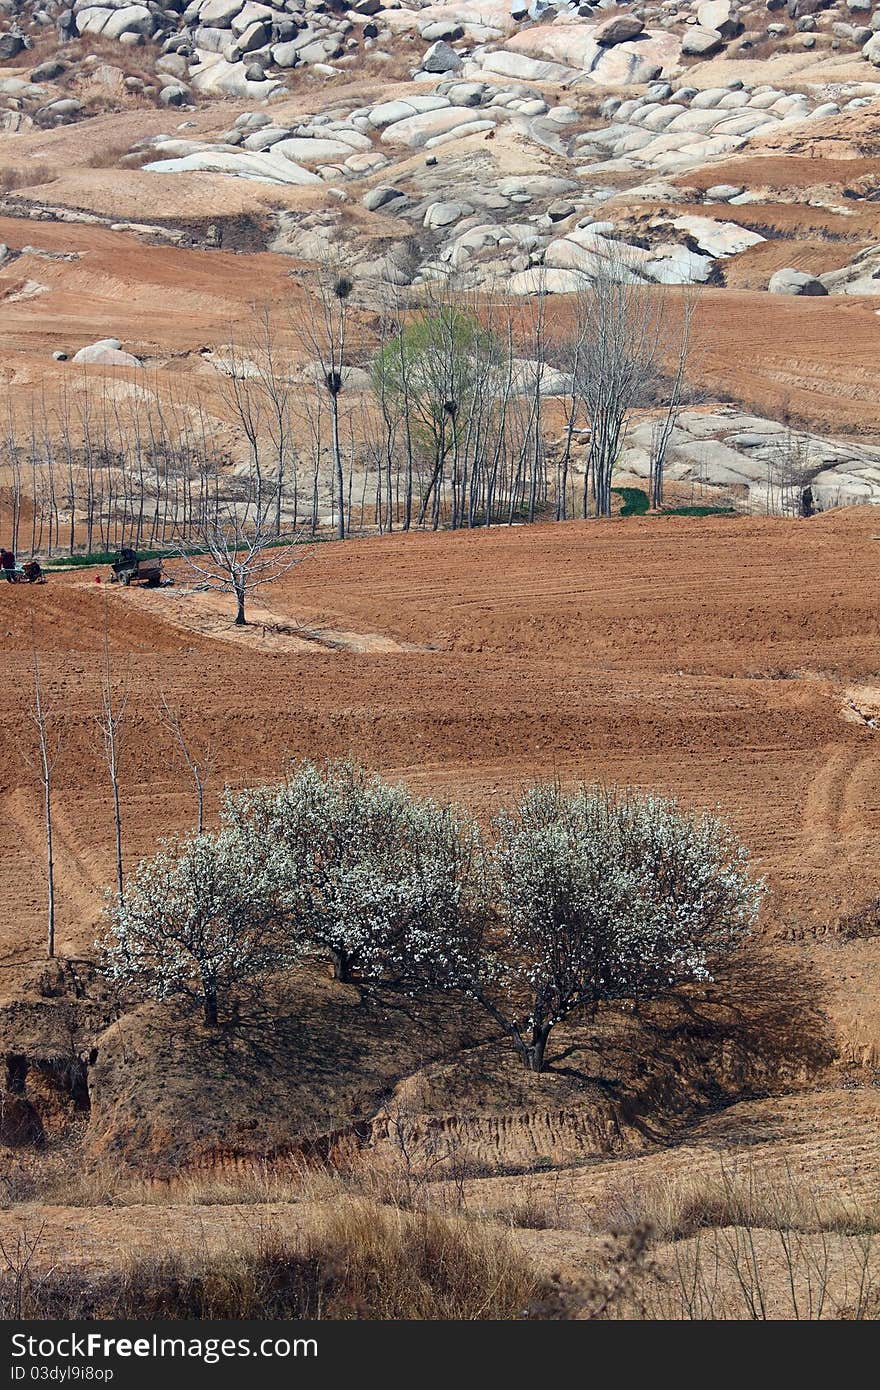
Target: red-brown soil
column 732, row 662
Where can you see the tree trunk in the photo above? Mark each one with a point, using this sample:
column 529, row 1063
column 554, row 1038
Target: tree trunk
column 117, row 818
column 50, row 867
column 340, row 964
column 239, row 596
column 532, row 1052
column 337, row 465
column 210, row 1005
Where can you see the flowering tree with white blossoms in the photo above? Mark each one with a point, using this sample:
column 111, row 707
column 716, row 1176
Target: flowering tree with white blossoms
column 604, row 897
column 386, row 885
column 194, row 921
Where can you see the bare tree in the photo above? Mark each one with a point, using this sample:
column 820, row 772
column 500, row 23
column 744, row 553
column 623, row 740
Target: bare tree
column 620, row 325
column 258, row 387
column 110, row 721
column 201, row 764
column 792, row 466
column 669, row 420
column 244, row 393
column 43, row 720
column 277, row 388
column 238, row 551
column 326, row 329
column 18, row 1252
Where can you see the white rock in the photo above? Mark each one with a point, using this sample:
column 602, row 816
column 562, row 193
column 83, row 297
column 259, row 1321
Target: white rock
column 250, row 13
column 389, row 112
column 460, row 133
column 266, row 168
column 790, row 281
column 216, row 75
column 106, row 353
column 311, row 151
column 219, row 13
column 718, row 238
column 442, row 215
column 541, row 281
column 417, row 130
column 701, row 43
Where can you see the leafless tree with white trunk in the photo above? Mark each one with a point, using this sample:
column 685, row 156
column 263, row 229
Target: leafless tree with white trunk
column 259, row 388
column 201, row 760
column 791, row 469
column 43, row 759
column 667, row 422
column 326, row 330
column 111, row 722
column 618, row 327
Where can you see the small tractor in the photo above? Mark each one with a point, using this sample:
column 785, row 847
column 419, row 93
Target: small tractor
column 31, row 572
column 128, row 569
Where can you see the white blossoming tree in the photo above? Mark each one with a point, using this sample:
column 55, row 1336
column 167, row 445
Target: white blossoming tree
column 194, row 921
column 605, row 897
column 382, row 883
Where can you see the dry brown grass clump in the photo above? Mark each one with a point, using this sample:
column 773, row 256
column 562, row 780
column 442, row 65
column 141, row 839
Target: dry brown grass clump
column 356, row 1260
column 30, row 176
column 382, row 1262
column 397, row 66
column 136, row 61
column 679, row 1205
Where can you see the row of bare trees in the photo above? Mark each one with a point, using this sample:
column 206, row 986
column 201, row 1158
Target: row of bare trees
column 477, row 404
column 476, row 408
column 107, row 463
column 450, row 410
column 43, row 751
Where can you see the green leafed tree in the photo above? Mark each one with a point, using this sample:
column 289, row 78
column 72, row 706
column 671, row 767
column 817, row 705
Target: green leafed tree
column 440, row 369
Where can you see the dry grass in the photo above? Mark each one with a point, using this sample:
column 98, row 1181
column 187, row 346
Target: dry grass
column 528, row 1214
column 355, row 1260
column 136, row 62
column 374, row 1244
column 750, row 1274
column 99, row 99
column 679, row 1205
column 30, row 176
column 111, row 156
column 398, row 66
column 390, row 1264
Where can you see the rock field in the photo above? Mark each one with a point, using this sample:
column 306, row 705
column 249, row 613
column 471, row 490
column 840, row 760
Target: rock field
column 520, row 149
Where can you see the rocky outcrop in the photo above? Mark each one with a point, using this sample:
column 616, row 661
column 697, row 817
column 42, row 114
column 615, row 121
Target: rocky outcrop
column 755, row 459
column 790, row 281
column 701, row 43
column 107, row 352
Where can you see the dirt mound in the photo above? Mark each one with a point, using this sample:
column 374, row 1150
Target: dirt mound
column 300, row 1068
column 312, row 1067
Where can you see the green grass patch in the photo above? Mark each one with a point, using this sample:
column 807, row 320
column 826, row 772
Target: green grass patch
column 100, row 557
column 107, row 557
column 699, row 511
column 635, row 501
